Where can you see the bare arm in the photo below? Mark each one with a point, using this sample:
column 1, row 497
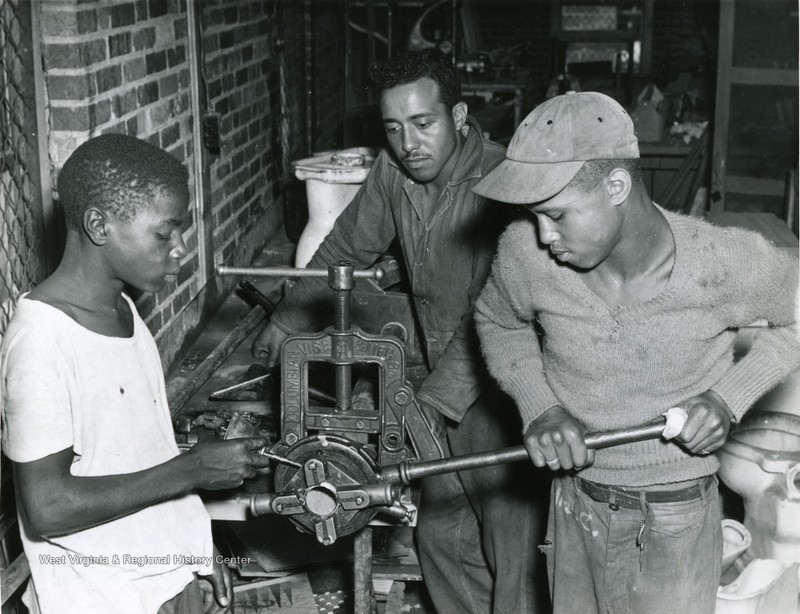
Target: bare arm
column 57, row 503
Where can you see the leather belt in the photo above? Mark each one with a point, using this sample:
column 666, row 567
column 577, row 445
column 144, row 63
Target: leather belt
column 633, row 499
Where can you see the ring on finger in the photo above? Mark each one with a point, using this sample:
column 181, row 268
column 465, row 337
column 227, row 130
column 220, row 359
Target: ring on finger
column 550, row 463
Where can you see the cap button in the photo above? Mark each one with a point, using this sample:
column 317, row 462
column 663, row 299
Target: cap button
column 570, row 92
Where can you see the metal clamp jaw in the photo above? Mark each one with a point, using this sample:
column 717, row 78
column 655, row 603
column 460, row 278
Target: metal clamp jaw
column 335, row 491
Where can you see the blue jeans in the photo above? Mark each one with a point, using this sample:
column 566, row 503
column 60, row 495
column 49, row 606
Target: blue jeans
column 478, row 531
column 596, row 566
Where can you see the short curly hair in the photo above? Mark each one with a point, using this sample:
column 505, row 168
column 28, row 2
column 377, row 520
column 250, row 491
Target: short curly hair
column 117, row 173
column 410, row 66
column 593, row 171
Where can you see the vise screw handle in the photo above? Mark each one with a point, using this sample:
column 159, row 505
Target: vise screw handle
column 405, row 473
column 377, row 273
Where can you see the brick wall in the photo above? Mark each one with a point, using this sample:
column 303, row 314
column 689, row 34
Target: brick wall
column 124, row 66
column 254, row 68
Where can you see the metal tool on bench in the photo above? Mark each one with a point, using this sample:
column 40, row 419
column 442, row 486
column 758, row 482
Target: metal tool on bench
column 230, row 393
column 322, row 439
column 222, row 393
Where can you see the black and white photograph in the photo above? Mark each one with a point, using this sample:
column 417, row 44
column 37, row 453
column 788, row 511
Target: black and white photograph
column 399, row 307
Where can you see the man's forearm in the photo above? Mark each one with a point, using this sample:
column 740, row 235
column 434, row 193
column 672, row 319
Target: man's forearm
column 56, row 502
column 62, row 503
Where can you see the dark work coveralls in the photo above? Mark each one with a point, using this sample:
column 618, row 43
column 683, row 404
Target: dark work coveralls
column 478, row 531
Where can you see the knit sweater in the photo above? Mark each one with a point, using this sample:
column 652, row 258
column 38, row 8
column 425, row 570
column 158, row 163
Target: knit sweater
column 617, row 368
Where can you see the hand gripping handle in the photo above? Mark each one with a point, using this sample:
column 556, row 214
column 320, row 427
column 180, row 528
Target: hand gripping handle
column 406, row 472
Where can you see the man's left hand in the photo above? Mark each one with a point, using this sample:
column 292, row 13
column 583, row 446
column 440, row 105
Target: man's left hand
column 707, row 425
column 217, row 588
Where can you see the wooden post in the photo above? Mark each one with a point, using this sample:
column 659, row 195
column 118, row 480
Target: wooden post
column 364, row 597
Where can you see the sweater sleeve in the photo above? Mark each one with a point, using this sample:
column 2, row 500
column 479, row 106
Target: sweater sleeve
column 766, row 291
column 504, row 317
column 361, row 234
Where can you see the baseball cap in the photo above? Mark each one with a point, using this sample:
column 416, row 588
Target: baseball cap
column 552, row 143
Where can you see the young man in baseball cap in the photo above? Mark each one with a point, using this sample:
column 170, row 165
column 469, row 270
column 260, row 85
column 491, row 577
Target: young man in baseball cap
column 603, row 311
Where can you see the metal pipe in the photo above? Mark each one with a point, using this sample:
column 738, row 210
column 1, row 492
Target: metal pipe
column 376, row 273
column 262, row 504
column 220, row 394
column 406, row 472
column 606, row 439
column 319, row 395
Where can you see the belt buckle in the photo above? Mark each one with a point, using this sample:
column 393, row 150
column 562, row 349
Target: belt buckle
column 612, row 500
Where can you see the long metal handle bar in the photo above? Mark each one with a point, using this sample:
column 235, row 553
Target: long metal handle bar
column 376, row 273
column 405, row 472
